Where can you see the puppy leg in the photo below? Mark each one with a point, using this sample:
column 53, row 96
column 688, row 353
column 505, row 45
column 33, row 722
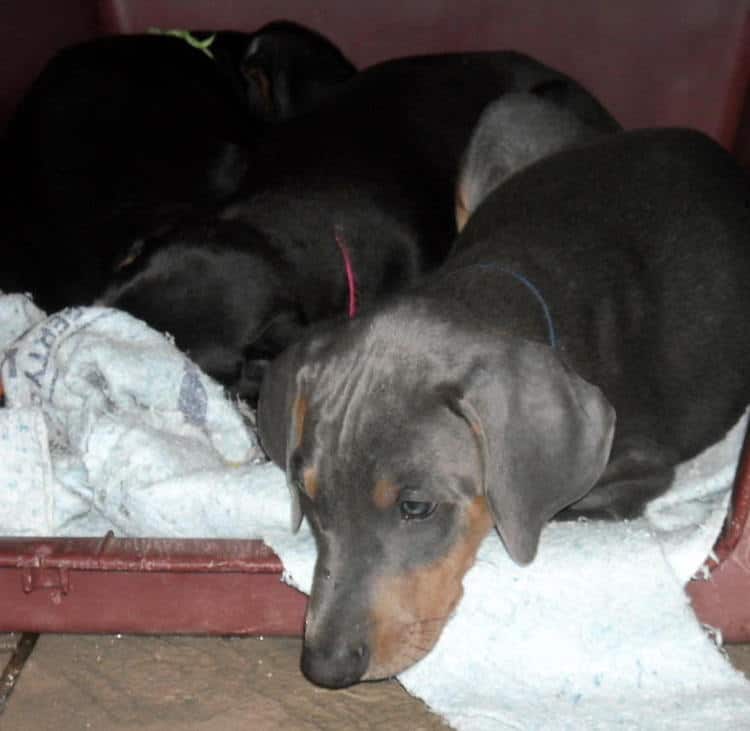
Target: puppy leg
column 638, row 472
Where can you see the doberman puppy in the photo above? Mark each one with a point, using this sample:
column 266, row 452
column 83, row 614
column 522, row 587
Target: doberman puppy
column 589, row 332
column 119, row 136
column 357, row 194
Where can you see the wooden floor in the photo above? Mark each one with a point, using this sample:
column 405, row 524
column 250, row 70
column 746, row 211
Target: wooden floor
column 116, row 683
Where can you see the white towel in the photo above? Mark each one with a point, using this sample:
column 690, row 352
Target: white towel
column 596, row 634
column 124, row 410
column 26, row 483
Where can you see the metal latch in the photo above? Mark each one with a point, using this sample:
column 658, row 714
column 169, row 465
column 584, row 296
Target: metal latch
column 56, row 579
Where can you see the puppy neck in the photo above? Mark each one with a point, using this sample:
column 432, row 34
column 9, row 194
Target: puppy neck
column 503, row 298
column 526, row 282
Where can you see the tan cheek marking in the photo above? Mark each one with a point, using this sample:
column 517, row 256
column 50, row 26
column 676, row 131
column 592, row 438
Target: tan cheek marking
column 299, row 411
column 256, row 76
column 410, row 610
column 385, row 494
column 310, row 479
column 126, row 262
column 462, row 215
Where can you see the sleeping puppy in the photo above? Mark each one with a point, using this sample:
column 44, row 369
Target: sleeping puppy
column 235, row 291
column 588, row 334
column 372, row 169
column 120, row 136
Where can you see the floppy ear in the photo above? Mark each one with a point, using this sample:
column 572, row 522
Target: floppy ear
column 282, row 408
column 544, row 435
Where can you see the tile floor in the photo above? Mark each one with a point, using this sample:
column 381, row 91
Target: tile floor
column 123, row 683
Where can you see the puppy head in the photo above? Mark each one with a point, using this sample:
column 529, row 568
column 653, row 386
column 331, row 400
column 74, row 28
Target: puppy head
column 220, row 295
column 405, row 439
column 289, row 68
column 512, row 133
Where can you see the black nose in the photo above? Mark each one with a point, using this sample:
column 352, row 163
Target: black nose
column 337, row 666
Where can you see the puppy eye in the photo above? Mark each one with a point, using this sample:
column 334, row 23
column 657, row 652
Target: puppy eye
column 415, row 510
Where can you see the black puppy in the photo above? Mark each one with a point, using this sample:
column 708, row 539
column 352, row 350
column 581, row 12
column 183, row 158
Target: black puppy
column 590, row 332
column 121, row 136
column 357, row 195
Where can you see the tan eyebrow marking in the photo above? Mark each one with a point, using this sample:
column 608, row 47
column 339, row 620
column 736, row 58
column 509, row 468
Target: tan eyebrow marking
column 385, row 494
column 310, row 482
column 462, row 214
